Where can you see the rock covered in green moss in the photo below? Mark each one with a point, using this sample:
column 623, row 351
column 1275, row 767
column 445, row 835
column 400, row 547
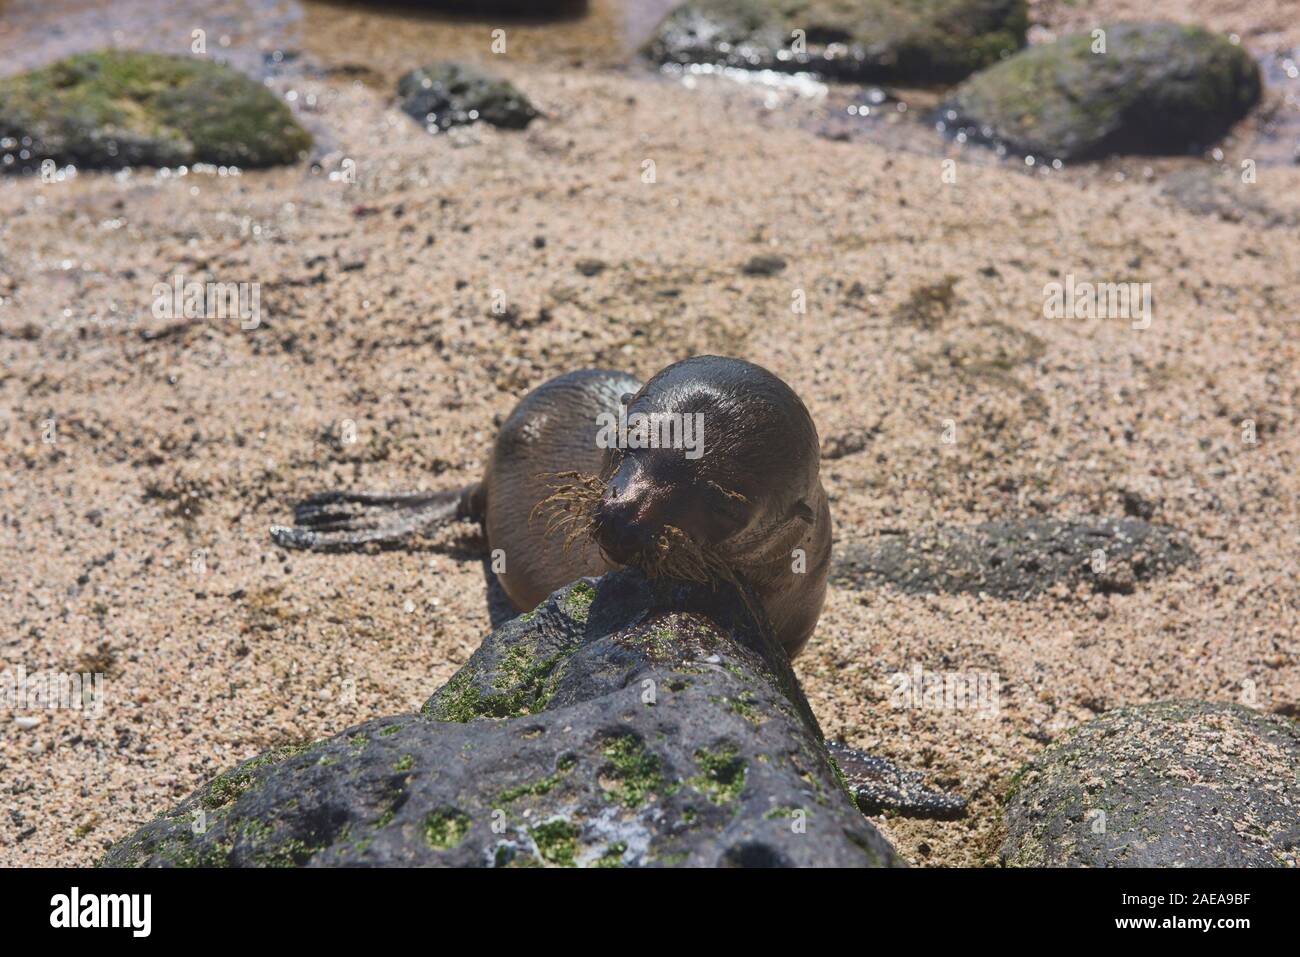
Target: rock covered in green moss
column 1157, row 88
column 442, row 95
column 115, row 109
column 1177, row 784
column 912, row 41
column 621, row 723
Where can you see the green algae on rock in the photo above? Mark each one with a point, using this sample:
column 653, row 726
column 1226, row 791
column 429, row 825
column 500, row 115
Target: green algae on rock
column 903, row 41
column 115, row 109
column 1175, row 784
column 1158, row 88
column 443, row 95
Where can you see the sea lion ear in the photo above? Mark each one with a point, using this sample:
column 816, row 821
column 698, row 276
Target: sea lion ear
column 627, row 398
column 803, row 511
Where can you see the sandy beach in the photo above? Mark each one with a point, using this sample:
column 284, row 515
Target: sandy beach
column 145, row 458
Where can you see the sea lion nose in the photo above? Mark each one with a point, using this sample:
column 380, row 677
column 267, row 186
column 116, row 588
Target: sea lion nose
column 620, row 529
column 617, row 531
column 619, row 540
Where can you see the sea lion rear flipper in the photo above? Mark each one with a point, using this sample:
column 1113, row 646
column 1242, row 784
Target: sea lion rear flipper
column 350, row 521
column 879, row 787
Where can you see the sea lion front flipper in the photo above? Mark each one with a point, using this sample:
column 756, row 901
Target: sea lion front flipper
column 351, row 521
column 880, row 787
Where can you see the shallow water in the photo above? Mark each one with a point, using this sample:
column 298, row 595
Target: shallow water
column 377, row 42
column 34, row 33
column 1279, row 126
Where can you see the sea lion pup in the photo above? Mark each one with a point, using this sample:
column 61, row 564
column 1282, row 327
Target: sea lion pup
column 708, row 472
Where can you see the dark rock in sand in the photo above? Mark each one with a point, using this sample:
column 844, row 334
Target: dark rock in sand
column 1178, row 784
column 443, row 95
column 1017, row 559
column 116, row 109
column 848, row 443
column 1158, row 88
column 902, row 41
column 880, row 787
column 766, row 265
column 620, row 723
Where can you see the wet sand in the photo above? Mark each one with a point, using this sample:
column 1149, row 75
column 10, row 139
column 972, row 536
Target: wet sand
column 135, row 542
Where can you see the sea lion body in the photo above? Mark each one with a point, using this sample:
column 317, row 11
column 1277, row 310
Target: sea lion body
column 743, row 503
column 552, row 430
column 759, row 455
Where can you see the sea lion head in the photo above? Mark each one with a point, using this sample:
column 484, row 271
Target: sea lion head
column 738, row 475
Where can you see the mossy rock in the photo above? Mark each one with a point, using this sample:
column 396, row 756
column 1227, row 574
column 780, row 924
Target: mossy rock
column 902, row 41
column 596, row 732
column 1159, row 88
column 443, row 95
column 1175, row 784
column 116, row 109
